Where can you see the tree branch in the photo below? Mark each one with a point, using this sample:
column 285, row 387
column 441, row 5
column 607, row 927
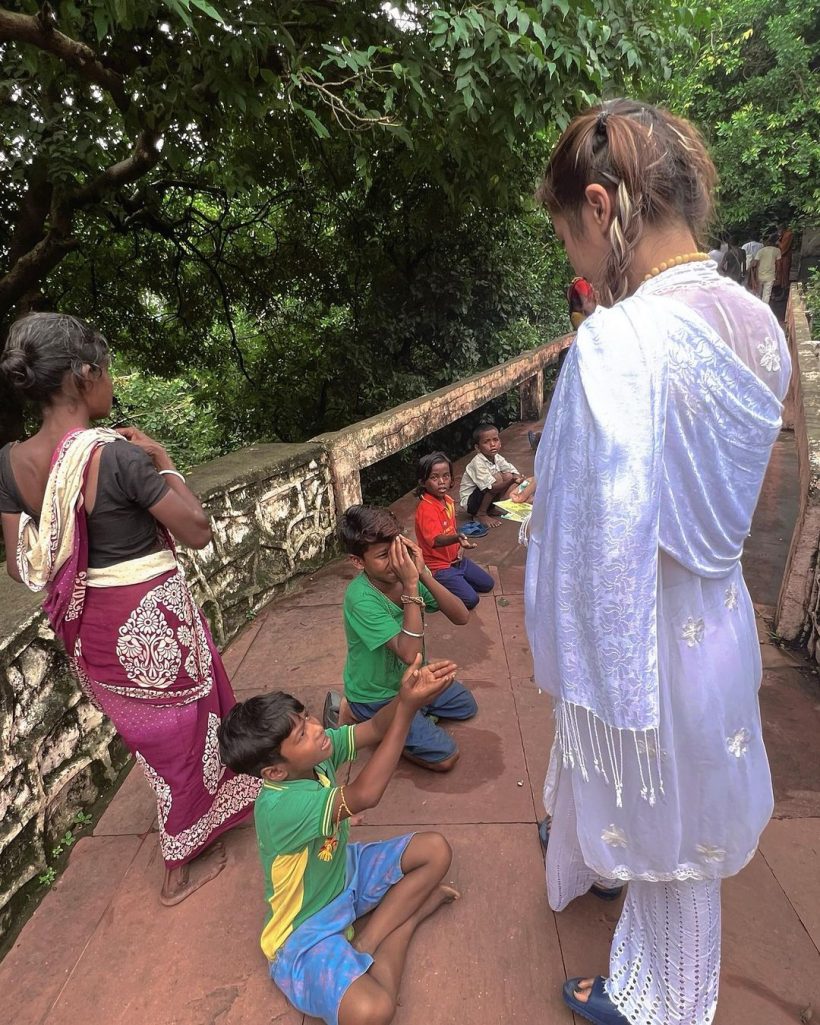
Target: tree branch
column 39, row 30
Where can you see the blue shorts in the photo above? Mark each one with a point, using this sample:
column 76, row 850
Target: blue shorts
column 316, row 964
column 426, row 740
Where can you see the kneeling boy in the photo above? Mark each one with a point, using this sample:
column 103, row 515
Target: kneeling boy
column 384, row 610
column 317, row 884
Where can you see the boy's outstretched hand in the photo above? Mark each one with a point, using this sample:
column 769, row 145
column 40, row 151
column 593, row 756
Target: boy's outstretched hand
column 421, row 684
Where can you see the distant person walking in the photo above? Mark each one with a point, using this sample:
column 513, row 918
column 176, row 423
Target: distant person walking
column 785, row 244
column 765, row 264
column 733, row 264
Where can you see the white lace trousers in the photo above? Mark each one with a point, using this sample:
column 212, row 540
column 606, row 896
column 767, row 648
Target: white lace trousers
column 665, row 957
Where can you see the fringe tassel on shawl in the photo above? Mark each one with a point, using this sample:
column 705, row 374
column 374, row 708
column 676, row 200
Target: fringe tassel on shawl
column 605, row 751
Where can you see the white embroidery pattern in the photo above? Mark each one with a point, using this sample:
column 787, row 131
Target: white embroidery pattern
column 149, row 648
column 212, row 768
column 769, row 355
column 233, row 796
column 738, row 743
column 730, row 598
column 692, row 631
column 75, row 606
column 614, row 836
column 710, row 853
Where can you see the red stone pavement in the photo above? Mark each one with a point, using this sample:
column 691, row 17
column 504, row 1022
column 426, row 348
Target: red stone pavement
column 100, row 950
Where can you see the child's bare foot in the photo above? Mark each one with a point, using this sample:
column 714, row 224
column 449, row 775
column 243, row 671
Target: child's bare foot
column 488, row 520
column 441, row 895
column 181, row 882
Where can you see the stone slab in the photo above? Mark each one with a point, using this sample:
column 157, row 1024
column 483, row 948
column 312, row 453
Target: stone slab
column 193, row 964
column 790, row 708
column 792, row 852
column 477, row 648
column 42, row 961
column 537, row 724
column 771, row 969
column 489, row 783
column 325, row 587
column 517, row 649
column 133, row 810
column 233, row 655
column 475, row 961
column 297, row 648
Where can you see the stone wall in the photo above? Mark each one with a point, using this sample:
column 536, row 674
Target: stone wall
column 273, row 519
column 798, row 606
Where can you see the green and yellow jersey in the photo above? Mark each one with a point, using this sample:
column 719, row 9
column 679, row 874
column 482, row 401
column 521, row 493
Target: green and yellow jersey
column 302, row 852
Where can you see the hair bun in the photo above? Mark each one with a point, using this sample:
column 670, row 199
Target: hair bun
column 17, row 369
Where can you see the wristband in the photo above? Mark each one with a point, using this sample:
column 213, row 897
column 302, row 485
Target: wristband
column 172, row 473
column 411, row 634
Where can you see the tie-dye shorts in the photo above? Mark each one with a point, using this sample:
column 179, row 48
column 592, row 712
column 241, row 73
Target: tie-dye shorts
column 316, row 964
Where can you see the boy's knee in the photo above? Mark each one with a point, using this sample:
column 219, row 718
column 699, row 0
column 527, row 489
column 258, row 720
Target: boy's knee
column 373, row 1007
column 381, row 1009
column 469, row 705
column 470, row 601
column 440, row 850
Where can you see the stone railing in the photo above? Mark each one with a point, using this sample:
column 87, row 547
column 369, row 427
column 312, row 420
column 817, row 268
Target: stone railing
column 273, row 514
column 370, row 441
column 798, row 606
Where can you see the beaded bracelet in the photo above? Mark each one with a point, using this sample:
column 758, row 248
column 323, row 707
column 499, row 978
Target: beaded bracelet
column 412, row 599
column 342, row 806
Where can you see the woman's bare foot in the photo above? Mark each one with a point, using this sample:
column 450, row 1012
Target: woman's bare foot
column 583, row 989
column 181, row 882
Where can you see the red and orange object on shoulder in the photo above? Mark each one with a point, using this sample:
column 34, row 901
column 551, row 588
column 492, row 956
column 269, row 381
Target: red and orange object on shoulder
column 582, row 301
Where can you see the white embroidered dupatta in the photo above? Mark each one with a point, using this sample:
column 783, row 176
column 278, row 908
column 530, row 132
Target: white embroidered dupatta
column 652, row 412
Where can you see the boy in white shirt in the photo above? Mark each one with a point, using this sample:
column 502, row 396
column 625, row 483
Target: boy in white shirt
column 488, row 477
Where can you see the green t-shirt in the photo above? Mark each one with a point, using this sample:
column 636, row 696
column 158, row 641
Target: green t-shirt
column 372, row 672
column 302, row 853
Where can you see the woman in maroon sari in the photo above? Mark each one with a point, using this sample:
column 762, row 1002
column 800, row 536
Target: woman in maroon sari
column 90, row 515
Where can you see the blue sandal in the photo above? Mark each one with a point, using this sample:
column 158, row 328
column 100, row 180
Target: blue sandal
column 472, row 528
column 598, row 1008
column 601, row 892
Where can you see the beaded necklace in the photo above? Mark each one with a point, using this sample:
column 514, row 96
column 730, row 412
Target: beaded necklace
column 676, row 262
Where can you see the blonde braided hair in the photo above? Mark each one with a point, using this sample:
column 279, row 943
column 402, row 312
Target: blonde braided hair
column 655, row 167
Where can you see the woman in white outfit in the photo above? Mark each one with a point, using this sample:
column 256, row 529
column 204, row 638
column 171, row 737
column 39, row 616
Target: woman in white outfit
column 639, row 619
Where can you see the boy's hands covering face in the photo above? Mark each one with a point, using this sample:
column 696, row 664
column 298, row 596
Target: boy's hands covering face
column 402, row 562
column 415, row 553
column 421, row 684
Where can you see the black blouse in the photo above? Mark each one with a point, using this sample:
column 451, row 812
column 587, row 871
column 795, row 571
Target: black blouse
column 119, row 527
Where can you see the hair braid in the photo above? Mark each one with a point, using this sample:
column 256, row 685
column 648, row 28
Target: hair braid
column 654, row 166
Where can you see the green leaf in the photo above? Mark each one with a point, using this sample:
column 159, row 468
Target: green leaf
column 100, row 23
column 206, row 8
column 318, row 127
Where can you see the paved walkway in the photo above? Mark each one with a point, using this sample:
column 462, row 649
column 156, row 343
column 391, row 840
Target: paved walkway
column 101, row 950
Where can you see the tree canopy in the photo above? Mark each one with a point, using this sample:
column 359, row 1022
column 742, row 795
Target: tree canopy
column 314, row 208
column 755, row 91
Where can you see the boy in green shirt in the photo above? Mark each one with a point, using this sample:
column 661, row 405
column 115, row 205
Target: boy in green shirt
column 316, row 884
column 383, row 611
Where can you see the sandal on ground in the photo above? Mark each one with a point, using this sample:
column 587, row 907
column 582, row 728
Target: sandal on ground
column 598, row 1008
column 473, row 529
column 330, row 711
column 601, row 892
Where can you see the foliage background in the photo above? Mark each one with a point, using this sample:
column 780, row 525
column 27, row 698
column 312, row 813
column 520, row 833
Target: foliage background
column 286, row 217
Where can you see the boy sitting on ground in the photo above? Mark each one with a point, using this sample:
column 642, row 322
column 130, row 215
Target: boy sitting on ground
column 488, row 477
column 318, row 885
column 384, row 610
